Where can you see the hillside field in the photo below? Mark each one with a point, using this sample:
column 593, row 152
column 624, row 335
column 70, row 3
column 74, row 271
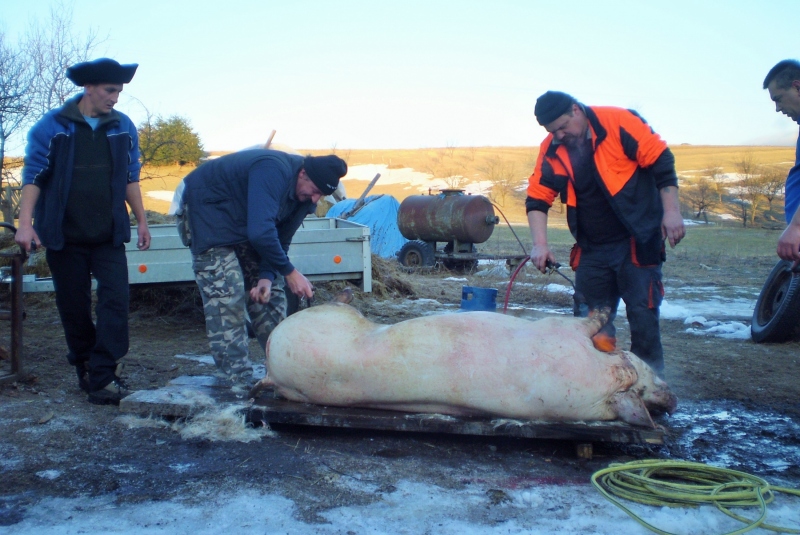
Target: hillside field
column 476, row 166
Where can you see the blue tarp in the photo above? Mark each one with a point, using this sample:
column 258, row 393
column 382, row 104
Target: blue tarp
column 379, row 213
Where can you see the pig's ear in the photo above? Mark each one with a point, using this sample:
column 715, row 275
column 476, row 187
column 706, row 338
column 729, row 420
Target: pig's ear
column 631, row 409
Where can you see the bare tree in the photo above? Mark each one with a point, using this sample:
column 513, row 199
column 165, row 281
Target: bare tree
column 701, row 196
column 773, row 183
column 51, row 48
column 451, row 174
column 714, row 173
column 501, row 174
column 16, row 81
column 748, row 189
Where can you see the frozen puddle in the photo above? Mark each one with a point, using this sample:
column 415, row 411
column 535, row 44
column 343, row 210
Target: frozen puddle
column 726, row 434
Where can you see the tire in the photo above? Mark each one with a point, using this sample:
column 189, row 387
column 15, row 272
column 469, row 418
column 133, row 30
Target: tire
column 416, row 253
column 776, row 317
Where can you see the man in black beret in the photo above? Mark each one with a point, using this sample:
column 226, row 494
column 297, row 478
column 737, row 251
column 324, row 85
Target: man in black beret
column 617, row 179
column 238, row 214
column 81, row 167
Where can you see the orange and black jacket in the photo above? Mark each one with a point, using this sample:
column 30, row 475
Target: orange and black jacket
column 632, row 162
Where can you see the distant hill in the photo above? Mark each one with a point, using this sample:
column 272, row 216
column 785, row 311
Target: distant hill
column 477, row 169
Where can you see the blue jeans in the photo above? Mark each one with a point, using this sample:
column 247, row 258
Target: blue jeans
column 97, row 346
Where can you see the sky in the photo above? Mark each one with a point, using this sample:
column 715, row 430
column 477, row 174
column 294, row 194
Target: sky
column 436, row 73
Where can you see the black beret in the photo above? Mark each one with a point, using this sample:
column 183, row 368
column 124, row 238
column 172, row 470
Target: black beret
column 101, row 71
column 325, row 171
column 551, row 106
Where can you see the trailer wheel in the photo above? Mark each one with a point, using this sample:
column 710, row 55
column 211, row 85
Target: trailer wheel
column 416, row 253
column 776, row 317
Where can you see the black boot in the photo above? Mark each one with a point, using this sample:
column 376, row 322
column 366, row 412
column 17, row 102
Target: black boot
column 113, row 392
column 83, row 376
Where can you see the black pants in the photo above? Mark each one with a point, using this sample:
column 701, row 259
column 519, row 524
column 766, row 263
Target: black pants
column 99, row 346
column 606, row 274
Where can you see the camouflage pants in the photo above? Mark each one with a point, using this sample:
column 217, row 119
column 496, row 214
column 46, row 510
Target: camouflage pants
column 225, row 276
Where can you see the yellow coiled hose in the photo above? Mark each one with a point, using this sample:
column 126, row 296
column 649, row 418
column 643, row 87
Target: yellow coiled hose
column 683, row 483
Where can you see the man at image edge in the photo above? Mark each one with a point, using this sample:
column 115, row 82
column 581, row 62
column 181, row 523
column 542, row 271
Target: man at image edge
column 783, row 84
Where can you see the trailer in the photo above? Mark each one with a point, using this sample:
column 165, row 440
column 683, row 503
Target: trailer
column 323, row 249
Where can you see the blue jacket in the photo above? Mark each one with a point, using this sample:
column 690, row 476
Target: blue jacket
column 247, row 196
column 791, row 198
column 49, row 157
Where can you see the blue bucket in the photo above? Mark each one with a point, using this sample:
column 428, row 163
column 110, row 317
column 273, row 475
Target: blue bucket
column 478, row 298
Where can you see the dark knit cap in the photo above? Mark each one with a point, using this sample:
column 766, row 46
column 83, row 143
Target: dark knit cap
column 101, row 71
column 325, row 171
column 551, row 106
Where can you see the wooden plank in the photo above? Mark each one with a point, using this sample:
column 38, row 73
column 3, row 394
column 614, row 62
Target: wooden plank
column 270, row 409
column 187, row 395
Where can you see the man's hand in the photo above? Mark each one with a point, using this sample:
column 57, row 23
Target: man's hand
column 143, row 231
column 672, row 228
column 260, row 293
column 540, row 253
column 788, row 244
column 299, row 285
column 26, row 236
column 540, row 256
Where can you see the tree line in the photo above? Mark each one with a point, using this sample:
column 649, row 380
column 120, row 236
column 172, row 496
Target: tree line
column 753, row 193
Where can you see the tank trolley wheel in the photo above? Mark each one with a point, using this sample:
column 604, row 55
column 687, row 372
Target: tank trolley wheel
column 776, row 317
column 416, row 253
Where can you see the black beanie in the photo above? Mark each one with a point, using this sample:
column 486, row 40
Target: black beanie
column 325, row 171
column 551, row 106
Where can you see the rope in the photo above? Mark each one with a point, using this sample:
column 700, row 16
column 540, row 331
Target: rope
column 683, row 483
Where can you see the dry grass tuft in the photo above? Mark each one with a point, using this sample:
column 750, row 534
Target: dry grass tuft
column 389, row 279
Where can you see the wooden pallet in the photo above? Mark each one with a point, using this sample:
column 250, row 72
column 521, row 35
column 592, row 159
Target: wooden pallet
column 184, row 395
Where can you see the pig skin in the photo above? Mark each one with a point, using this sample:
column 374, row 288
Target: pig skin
column 461, row 364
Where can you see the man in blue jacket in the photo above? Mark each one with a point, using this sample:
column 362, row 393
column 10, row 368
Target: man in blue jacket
column 81, row 167
column 242, row 211
column 783, row 84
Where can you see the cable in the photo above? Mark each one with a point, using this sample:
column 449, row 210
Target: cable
column 683, row 483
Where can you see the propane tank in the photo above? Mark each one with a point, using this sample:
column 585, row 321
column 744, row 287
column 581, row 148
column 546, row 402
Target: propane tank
column 445, row 217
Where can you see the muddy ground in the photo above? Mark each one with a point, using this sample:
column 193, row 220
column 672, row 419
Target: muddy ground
column 54, row 443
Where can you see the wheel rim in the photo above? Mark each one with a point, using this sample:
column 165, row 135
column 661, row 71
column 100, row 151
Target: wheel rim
column 413, row 258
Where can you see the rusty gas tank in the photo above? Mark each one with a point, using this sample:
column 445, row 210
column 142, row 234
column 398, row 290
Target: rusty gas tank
column 450, row 215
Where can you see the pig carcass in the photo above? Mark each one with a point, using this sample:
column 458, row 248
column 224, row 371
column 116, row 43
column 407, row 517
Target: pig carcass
column 461, row 364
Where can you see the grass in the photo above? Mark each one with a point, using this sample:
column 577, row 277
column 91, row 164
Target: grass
column 703, row 243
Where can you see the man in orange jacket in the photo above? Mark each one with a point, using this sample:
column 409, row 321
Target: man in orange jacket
column 617, row 178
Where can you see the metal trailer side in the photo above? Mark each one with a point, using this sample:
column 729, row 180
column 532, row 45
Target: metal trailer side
column 323, row 249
